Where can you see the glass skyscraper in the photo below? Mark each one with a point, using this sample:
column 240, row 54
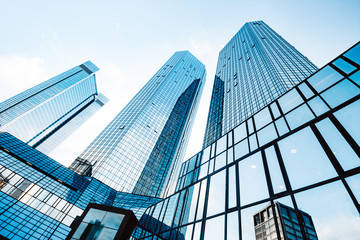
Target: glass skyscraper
column 139, row 151
column 299, row 151
column 44, row 115
column 255, row 67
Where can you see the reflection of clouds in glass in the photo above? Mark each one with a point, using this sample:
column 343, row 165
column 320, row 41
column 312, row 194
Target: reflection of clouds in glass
column 339, row 227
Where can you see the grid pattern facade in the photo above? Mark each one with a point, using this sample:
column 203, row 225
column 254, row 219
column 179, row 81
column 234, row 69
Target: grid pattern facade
column 302, row 150
column 253, row 69
column 43, row 116
column 40, row 198
column 148, row 136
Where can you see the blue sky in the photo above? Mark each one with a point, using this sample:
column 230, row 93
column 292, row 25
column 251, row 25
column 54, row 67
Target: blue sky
column 130, row 40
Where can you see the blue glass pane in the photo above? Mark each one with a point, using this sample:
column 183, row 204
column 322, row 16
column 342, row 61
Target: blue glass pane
column 253, row 142
column 324, row 78
column 262, row 118
column 241, row 149
column 356, row 77
column 220, row 161
column 290, row 100
column 339, row 146
column 340, row 93
column 306, row 91
column 275, row 110
column 344, row 66
column 354, row 184
column 216, row 197
column 299, row 116
column 349, row 117
column 318, row 106
column 281, row 126
column 305, row 161
column 221, row 144
column 240, row 132
column 253, row 186
column 354, row 54
column 274, row 169
column 266, row 134
column 205, row 155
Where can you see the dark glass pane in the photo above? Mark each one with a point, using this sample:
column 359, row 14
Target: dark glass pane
column 344, row 66
column 354, row 54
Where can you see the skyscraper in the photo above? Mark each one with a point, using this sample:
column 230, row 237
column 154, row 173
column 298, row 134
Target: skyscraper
column 140, row 149
column 287, row 221
column 302, row 149
column 44, row 115
column 255, row 67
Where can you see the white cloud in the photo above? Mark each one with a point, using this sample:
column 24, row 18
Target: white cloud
column 18, row 73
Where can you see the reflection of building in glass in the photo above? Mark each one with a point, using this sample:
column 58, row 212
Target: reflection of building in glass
column 44, row 115
column 286, row 219
column 139, row 150
column 301, row 147
column 255, row 67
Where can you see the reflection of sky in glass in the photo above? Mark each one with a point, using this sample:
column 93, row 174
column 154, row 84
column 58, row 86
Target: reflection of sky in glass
column 252, row 180
column 339, row 146
column 216, row 198
column 349, row 118
column 309, row 164
column 340, row 93
column 354, row 183
column 232, row 226
column 247, row 222
column 333, row 213
column 324, row 78
column 274, row 169
column 215, row 228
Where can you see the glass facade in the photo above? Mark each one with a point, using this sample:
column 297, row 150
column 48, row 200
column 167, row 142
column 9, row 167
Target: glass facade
column 254, row 68
column 297, row 159
column 43, row 116
column 40, row 198
column 139, row 151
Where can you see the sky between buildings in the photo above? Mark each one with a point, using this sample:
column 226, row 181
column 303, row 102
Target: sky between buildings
column 130, row 40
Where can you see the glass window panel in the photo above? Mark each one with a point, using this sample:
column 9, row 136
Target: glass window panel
column 306, row 91
column 305, row 160
column 281, row 126
column 216, row 198
column 221, row 144
column 290, row 100
column 354, row 54
column 250, row 125
column 318, row 106
column 211, row 165
column 113, row 220
column 344, row 66
column 340, row 93
column 299, row 116
column 230, row 140
column 206, row 155
column 349, row 117
column 197, row 231
column 354, row 184
column 253, row 186
column 107, row 233
column 188, row 231
column 200, row 208
column 253, row 142
column 194, row 192
column 232, row 187
column 232, row 226
column 214, row 228
column 339, row 146
column 93, row 215
column 275, row 171
column 203, row 170
column 241, row 149
column 212, row 150
column 275, row 110
column 230, row 156
column 332, row 211
column 324, row 78
column 356, row 77
column 262, row 118
column 240, row 132
column 266, row 134
column 220, row 161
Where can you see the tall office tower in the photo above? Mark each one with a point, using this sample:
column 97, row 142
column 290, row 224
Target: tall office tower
column 44, row 115
column 140, row 149
column 253, row 69
column 302, row 149
column 287, row 221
